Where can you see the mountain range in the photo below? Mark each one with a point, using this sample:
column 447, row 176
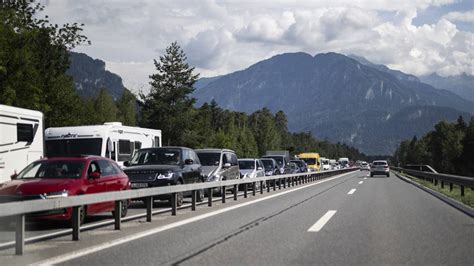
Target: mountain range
column 90, row 76
column 338, row 98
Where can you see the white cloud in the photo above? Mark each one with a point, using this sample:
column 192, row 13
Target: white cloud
column 460, row 16
column 221, row 37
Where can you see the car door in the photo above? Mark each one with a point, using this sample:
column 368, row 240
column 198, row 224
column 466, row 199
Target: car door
column 234, row 168
column 260, row 169
column 197, row 168
column 97, row 185
column 226, row 171
column 111, row 179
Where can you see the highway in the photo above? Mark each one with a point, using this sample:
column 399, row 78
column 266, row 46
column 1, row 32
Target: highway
column 348, row 219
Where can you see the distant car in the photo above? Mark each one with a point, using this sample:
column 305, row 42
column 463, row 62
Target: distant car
column 281, row 161
column 270, row 165
column 64, row 177
column 251, row 168
column 380, row 168
column 218, row 165
column 293, row 168
column 364, row 166
column 164, row 166
column 301, row 164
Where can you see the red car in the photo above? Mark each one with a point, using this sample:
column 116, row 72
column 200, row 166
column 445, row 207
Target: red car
column 65, row 177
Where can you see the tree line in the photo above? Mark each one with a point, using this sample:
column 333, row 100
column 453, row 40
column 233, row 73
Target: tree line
column 449, row 148
column 34, row 58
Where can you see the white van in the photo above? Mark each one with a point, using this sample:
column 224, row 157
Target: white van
column 112, row 140
column 344, row 161
column 325, row 166
column 21, row 139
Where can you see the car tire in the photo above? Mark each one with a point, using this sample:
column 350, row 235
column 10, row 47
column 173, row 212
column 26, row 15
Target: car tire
column 82, row 217
column 371, row 175
column 124, row 210
column 388, row 175
column 200, row 195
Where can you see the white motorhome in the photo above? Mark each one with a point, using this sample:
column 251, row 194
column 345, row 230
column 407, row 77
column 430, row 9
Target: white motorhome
column 21, row 139
column 112, row 140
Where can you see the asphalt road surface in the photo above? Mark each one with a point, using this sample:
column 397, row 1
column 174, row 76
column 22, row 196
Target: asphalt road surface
column 350, row 219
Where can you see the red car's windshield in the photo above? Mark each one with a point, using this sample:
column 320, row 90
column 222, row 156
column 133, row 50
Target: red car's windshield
column 53, row 169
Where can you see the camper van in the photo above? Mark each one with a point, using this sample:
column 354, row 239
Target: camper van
column 111, row 140
column 325, row 165
column 21, row 139
column 344, row 161
column 312, row 159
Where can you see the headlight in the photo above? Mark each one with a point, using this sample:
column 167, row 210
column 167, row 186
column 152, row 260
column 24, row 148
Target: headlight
column 213, row 178
column 56, row 194
column 168, row 175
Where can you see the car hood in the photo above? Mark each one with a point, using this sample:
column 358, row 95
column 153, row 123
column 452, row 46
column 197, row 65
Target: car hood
column 152, row 168
column 246, row 171
column 208, row 170
column 37, row 186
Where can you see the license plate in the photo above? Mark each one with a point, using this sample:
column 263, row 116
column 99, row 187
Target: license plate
column 139, row 185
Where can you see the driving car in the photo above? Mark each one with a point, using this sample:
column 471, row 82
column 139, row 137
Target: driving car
column 218, row 165
column 380, row 167
column 270, row 165
column 282, row 162
column 65, row 177
column 165, row 166
column 364, row 166
column 251, row 168
column 301, row 164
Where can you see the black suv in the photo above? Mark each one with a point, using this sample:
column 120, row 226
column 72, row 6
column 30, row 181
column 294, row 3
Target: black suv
column 155, row 167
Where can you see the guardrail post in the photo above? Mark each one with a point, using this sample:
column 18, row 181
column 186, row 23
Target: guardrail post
column 279, row 183
column 274, row 184
column 236, row 189
column 209, row 197
column 442, row 184
column 450, row 187
column 254, row 188
column 462, row 190
column 193, row 200
column 261, row 187
column 223, row 190
column 245, row 189
column 268, row 186
column 118, row 214
column 284, row 183
column 436, row 182
column 76, row 223
column 149, row 208
column 174, row 203
column 20, row 234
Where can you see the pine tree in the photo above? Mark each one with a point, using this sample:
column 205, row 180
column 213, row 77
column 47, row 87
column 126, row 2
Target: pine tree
column 127, row 109
column 169, row 103
column 105, row 108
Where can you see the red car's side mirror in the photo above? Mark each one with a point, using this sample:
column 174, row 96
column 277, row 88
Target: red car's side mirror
column 14, row 176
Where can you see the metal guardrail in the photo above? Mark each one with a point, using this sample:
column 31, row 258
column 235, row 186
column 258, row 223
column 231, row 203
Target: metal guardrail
column 435, row 178
column 20, row 209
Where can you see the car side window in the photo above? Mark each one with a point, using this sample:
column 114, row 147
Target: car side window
column 195, row 158
column 226, row 158
column 106, row 168
column 233, row 159
column 186, row 155
column 93, row 167
column 259, row 164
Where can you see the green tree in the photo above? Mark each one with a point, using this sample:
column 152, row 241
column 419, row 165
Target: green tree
column 169, row 103
column 105, row 109
column 127, row 109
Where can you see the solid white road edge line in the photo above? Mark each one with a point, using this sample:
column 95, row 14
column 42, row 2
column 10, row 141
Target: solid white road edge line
column 351, row 191
column 116, row 242
column 322, row 221
column 361, row 182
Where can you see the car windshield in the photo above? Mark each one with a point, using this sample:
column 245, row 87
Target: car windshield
column 298, row 163
column 68, row 147
column 309, row 161
column 268, row 164
column 53, row 169
column 157, row 156
column 278, row 159
column 247, row 164
column 209, row 158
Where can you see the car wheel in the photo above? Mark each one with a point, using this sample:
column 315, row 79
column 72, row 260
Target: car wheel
column 371, row 175
column 200, row 195
column 82, row 217
column 124, row 210
column 388, row 175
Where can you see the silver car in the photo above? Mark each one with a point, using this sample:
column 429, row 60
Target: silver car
column 218, row 165
column 380, row 167
column 251, row 168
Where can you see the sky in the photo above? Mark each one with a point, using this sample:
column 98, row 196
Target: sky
column 219, row 37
